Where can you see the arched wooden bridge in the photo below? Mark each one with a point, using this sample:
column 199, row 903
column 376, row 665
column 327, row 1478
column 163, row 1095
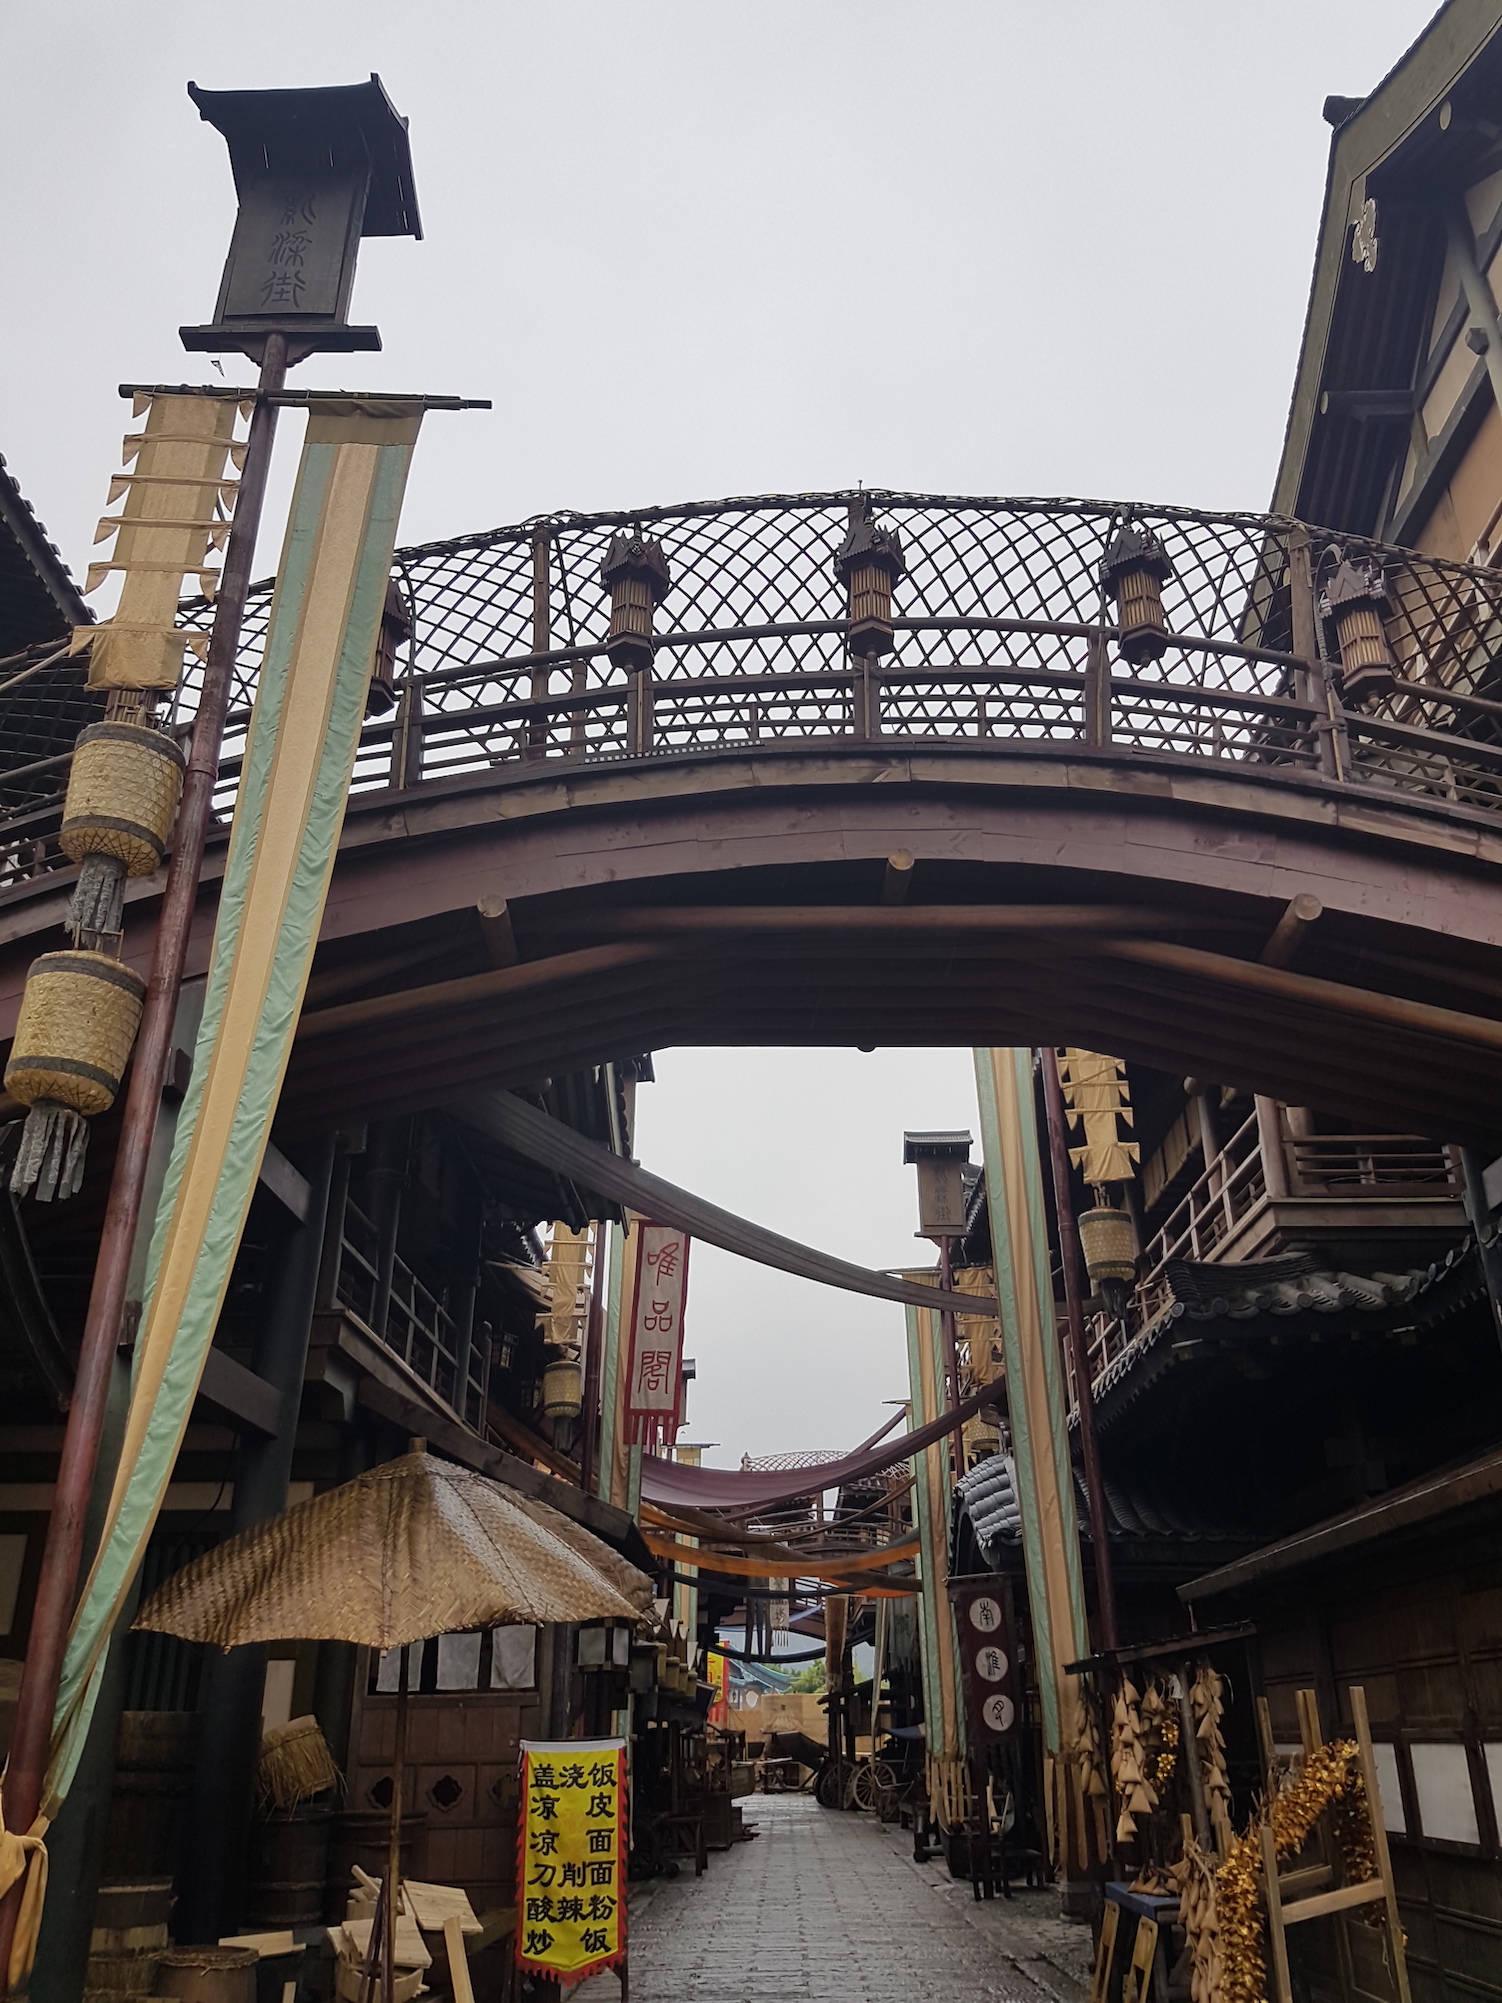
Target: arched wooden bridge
column 549, row 861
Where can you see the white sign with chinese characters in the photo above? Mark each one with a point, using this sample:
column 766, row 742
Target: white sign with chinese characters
column 660, row 1289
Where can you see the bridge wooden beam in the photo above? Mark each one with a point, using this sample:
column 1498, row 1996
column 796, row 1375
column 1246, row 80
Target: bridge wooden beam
column 656, row 920
column 1396, row 1011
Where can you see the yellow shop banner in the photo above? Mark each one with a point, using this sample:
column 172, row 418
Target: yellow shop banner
column 571, row 1867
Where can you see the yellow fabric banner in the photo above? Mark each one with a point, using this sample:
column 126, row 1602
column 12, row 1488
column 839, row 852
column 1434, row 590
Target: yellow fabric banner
column 163, row 532
column 571, row 1858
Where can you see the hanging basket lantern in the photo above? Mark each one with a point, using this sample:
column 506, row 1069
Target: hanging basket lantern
column 1109, row 1244
column 1354, row 601
column 79, row 1017
column 1134, row 571
column 396, row 630
column 636, row 575
column 868, row 564
column 562, row 1390
column 122, row 795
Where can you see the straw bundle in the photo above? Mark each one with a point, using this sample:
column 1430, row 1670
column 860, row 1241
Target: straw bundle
column 1207, row 1701
column 295, row 1764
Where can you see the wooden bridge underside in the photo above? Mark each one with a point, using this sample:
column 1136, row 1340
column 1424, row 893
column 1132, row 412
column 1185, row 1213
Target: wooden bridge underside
column 1058, row 895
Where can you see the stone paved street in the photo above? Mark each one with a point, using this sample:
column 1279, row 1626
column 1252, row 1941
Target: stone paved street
column 830, row 1908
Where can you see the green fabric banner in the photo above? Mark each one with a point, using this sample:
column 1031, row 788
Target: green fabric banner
column 304, row 734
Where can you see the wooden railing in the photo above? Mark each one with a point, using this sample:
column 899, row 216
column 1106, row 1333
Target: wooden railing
column 414, row 1325
column 1003, row 635
column 1257, row 1164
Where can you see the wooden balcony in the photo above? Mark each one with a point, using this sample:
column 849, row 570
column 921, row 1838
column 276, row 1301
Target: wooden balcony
column 1266, row 1193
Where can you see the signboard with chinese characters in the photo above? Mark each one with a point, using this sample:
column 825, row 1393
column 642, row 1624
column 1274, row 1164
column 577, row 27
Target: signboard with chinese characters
column 293, row 251
column 571, row 1858
column 986, row 1656
column 659, row 1290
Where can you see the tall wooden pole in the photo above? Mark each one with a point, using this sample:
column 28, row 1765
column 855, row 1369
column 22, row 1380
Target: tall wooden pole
column 31, row 1736
column 1072, row 1262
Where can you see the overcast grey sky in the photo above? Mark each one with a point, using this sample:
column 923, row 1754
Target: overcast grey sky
column 693, row 248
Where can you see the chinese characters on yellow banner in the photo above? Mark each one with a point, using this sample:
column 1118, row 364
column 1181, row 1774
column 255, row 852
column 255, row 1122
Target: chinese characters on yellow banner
column 571, row 1870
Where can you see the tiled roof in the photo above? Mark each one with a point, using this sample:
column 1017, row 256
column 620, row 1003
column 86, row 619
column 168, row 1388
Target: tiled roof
column 1288, row 1296
column 987, row 1495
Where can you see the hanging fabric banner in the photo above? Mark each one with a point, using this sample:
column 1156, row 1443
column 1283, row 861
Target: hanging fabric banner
column 933, row 1485
column 1038, row 1414
column 299, row 757
column 654, row 1385
column 571, row 1858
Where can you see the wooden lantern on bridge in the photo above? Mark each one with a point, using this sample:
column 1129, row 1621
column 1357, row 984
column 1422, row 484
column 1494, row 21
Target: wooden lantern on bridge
column 1134, row 571
column 868, row 564
column 396, row 629
column 1354, row 602
column 636, row 575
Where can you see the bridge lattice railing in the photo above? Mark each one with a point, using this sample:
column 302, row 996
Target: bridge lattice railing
column 1003, row 635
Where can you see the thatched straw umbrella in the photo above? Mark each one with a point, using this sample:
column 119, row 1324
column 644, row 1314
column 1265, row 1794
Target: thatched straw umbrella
column 413, row 1548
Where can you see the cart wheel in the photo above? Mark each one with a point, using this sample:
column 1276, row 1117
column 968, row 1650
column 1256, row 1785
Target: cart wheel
column 829, row 1788
column 865, row 1793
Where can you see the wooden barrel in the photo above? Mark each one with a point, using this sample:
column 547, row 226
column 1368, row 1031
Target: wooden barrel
column 289, row 1864
column 362, row 1836
column 154, row 1760
column 208, row 1974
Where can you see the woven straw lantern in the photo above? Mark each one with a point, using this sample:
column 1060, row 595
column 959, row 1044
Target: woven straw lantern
column 79, row 1017
column 868, row 564
column 562, row 1389
column 1354, row 601
column 122, row 795
column 636, row 575
column 1134, row 571
column 1109, row 1243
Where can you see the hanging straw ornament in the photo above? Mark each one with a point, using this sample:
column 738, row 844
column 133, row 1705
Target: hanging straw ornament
column 1129, row 1763
column 1194, row 1877
column 1207, row 1702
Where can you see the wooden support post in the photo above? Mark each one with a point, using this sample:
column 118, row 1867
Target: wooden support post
column 1308, row 681
column 1098, row 688
column 1274, row 1156
column 542, row 637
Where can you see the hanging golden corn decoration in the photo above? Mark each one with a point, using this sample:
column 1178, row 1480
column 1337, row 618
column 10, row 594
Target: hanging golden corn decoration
column 1134, row 570
column 81, row 1009
column 868, row 564
column 636, row 575
column 1355, row 600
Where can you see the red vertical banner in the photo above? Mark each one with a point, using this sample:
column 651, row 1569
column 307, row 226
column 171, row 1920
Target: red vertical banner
column 659, row 1290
